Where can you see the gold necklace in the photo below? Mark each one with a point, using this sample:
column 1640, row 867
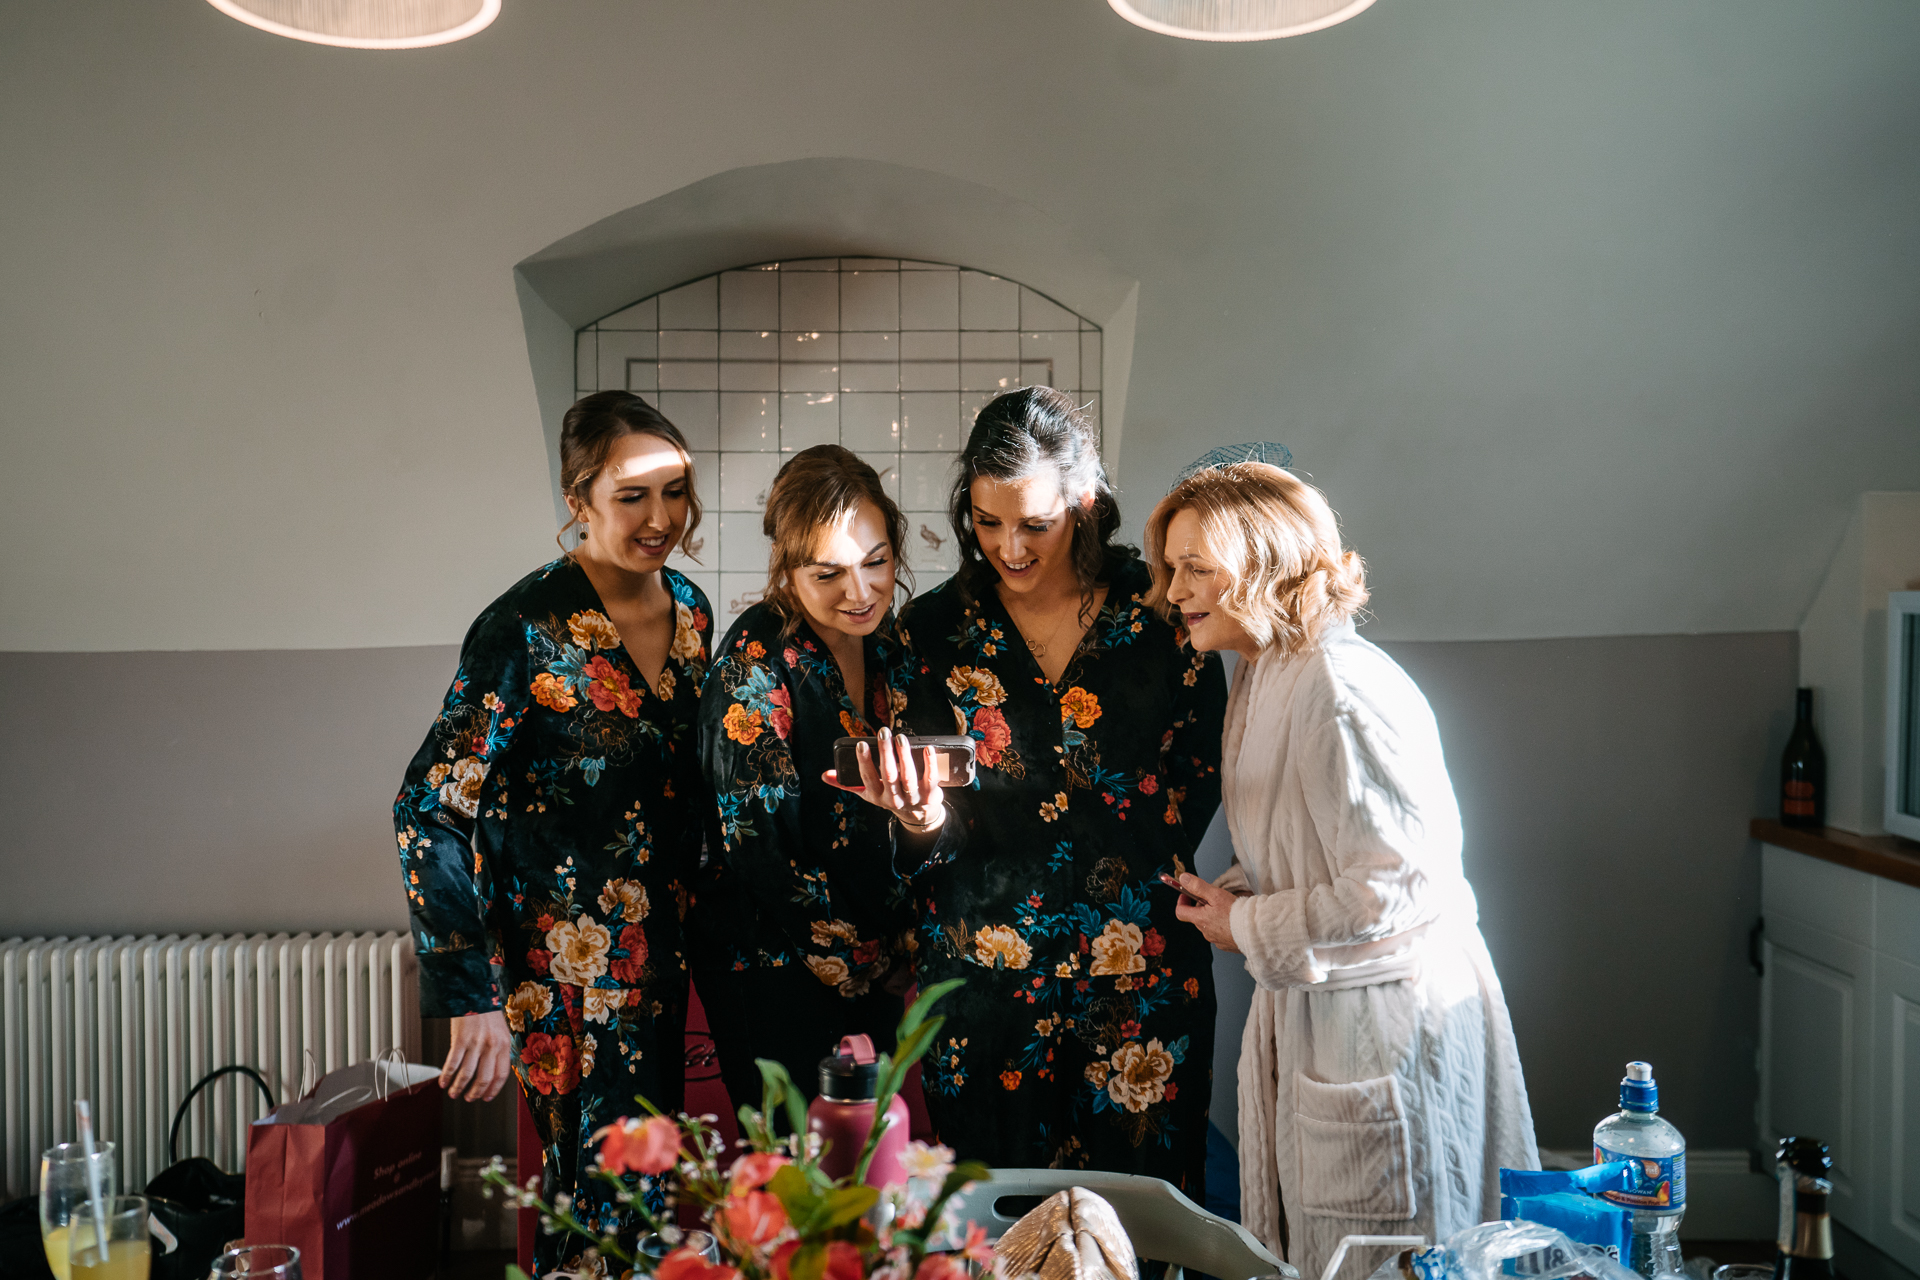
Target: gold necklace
column 1038, row 648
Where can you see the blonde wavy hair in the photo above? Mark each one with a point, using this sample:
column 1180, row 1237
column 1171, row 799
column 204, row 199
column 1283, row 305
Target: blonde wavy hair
column 1276, row 539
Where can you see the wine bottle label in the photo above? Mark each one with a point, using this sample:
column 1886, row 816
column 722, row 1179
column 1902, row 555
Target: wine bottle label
column 1651, row 1183
column 1797, row 798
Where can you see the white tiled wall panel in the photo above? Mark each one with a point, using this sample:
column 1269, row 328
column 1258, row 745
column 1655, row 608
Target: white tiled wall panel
column 891, row 359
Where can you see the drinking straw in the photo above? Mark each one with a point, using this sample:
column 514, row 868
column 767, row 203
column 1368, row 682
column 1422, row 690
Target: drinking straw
column 85, row 1113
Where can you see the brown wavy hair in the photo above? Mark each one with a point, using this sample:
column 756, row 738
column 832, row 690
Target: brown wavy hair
column 1278, row 542
column 587, row 434
column 1029, row 432
column 817, row 489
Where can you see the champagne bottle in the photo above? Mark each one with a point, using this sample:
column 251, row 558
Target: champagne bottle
column 1804, row 1248
column 1803, row 770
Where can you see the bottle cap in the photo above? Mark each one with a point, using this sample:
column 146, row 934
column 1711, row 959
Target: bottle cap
column 1638, row 1092
column 1807, row 1157
column 852, row 1074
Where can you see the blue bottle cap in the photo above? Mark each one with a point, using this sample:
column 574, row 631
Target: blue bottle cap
column 1638, row 1092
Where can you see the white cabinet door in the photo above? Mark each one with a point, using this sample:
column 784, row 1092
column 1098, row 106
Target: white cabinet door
column 1816, row 1053
column 1896, row 1122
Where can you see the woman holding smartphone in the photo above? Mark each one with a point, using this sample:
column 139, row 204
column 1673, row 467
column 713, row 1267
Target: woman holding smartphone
column 1084, row 1036
column 550, row 825
column 805, row 931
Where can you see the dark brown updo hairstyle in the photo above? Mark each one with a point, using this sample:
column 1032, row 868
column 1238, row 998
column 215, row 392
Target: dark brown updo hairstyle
column 816, row 489
column 587, row 434
column 1038, row 431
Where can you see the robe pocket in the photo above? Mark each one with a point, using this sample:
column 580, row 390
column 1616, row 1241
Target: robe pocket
column 1355, row 1149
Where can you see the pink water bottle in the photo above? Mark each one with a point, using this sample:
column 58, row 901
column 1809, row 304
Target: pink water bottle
column 843, row 1115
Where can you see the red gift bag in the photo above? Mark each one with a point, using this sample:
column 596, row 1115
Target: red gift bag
column 350, row 1174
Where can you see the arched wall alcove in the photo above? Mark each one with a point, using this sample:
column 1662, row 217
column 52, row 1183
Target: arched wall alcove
column 805, row 209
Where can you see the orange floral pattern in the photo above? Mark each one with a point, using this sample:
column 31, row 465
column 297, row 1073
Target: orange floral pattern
column 1079, row 708
column 742, row 725
column 585, row 791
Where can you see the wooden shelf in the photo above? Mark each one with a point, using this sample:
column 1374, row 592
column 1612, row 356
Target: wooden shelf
column 1889, row 857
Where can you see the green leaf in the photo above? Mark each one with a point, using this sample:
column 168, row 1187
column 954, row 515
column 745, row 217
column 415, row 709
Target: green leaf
column 913, row 1017
column 846, row 1204
column 777, row 1087
column 515, row 1273
column 809, row 1262
column 796, row 1195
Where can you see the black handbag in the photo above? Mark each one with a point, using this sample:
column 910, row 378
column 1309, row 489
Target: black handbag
column 200, row 1203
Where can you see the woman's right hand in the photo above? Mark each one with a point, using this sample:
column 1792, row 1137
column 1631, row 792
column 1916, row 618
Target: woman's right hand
column 480, row 1057
column 896, row 783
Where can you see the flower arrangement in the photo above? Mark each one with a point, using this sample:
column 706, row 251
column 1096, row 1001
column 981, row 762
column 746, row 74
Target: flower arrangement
column 774, row 1214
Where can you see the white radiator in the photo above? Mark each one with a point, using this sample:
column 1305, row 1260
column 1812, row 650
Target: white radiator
column 133, row 1023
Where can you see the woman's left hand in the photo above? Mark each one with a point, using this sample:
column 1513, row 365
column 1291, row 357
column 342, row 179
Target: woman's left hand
column 897, row 783
column 1205, row 907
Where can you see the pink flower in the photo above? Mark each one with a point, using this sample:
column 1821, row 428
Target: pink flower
column 685, row 1264
column 752, row 1220
column 609, row 687
column 633, row 939
column 549, row 1063
column 995, row 736
column 941, row 1266
column 781, row 717
column 978, row 1247
column 752, row 1171
column 1149, row 784
column 842, row 1261
column 639, row 1146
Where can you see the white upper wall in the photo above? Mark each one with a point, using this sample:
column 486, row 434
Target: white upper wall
column 1592, row 319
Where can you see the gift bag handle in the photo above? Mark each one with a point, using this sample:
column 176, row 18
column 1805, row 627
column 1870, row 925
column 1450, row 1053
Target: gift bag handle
column 382, row 1078
column 180, row 1112
column 309, row 1073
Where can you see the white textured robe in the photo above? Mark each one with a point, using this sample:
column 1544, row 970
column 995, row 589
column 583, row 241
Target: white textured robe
column 1380, row 1088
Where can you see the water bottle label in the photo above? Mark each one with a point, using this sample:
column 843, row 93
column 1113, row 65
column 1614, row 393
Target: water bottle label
column 1652, row 1183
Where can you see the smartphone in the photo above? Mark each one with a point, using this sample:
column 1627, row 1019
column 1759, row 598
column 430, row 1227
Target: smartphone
column 952, row 757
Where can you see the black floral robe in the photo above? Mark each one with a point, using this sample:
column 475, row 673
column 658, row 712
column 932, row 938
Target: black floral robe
column 1084, row 1035
column 799, row 918
column 550, row 828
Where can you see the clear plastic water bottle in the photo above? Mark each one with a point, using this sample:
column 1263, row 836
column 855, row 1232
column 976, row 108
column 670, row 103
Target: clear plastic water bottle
column 1658, row 1191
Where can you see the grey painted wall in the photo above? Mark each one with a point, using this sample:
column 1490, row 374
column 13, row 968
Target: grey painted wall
column 1610, row 303
column 1606, row 785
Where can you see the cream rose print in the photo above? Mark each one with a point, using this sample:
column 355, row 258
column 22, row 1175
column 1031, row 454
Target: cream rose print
column 529, row 1003
column 592, row 629
column 625, row 900
column 999, row 947
column 1137, row 1075
column 597, row 1004
column 459, row 784
column 831, row 970
column 579, row 950
column 1117, row 951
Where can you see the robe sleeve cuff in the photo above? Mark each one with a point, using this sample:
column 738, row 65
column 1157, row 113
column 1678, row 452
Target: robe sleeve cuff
column 1271, row 933
column 454, row 984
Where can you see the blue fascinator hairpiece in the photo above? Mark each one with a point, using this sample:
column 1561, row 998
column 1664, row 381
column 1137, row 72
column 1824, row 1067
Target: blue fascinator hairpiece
column 1274, row 455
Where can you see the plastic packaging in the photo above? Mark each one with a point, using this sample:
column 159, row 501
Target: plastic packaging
column 1567, row 1199
column 1588, row 1220
column 1658, row 1155
column 1496, row 1249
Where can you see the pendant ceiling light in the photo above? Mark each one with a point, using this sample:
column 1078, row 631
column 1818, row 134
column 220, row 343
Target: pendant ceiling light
column 1236, row 19
column 366, row 24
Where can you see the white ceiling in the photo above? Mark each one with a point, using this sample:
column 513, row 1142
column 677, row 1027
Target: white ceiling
column 1592, row 318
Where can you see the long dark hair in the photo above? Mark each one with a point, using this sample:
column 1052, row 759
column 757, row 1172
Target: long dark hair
column 587, row 434
column 1038, row 431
